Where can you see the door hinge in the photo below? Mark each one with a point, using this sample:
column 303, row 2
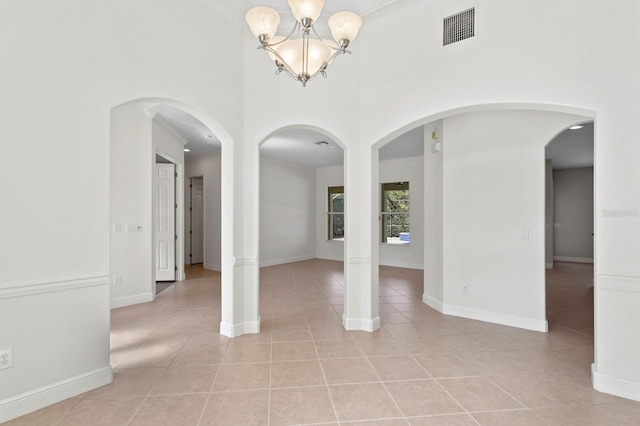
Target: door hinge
column 176, row 237
column 190, row 209
column 176, row 174
column 175, row 268
column 190, row 232
column 190, row 255
column 190, row 186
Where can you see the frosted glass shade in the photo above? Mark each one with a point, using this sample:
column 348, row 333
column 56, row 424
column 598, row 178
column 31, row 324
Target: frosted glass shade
column 274, row 40
column 291, row 52
column 262, row 21
column 306, row 9
column 345, row 25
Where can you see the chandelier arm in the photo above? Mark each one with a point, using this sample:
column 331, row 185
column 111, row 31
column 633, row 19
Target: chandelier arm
column 282, row 62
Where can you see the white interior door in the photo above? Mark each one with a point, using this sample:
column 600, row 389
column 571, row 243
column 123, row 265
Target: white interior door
column 197, row 221
column 165, row 222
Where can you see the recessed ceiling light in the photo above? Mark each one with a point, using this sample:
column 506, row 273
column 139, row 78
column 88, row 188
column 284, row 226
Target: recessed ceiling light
column 576, row 127
column 209, row 136
column 322, row 143
column 187, row 150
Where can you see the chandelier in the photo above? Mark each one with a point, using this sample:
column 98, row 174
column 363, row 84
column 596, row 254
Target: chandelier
column 306, row 57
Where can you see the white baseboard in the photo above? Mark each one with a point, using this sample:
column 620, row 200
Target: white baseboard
column 212, row 267
column 548, row 265
column 131, row 300
column 614, row 386
column 34, row 400
column 286, row 260
column 572, row 259
column 497, row 318
column 361, row 323
column 339, row 258
column 408, row 265
column 434, row 303
column 235, row 330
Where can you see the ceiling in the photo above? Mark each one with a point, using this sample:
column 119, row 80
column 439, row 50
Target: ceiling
column 200, row 138
column 572, row 148
column 361, row 7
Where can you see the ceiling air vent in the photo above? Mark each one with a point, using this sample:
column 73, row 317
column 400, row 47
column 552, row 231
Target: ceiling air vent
column 460, row 26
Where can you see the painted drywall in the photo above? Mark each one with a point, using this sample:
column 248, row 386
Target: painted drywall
column 287, row 212
column 207, row 166
column 433, row 214
column 494, row 214
column 59, row 116
column 573, row 214
column 548, row 215
column 131, row 201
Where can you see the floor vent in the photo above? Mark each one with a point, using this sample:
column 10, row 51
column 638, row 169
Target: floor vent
column 460, row 26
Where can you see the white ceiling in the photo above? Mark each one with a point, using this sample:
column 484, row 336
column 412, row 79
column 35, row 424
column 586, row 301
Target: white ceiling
column 299, row 146
column 361, row 7
column 572, row 148
column 200, row 138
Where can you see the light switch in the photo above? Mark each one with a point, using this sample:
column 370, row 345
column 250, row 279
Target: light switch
column 525, row 234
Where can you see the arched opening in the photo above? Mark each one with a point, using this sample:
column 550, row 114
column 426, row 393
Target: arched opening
column 482, row 204
column 148, row 140
column 302, row 230
column 569, row 233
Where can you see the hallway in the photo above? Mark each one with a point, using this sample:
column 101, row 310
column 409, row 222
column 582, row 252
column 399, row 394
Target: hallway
column 172, row 367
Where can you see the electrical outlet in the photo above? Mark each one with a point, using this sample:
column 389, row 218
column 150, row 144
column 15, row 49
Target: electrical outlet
column 6, row 358
column 464, row 289
column 117, row 280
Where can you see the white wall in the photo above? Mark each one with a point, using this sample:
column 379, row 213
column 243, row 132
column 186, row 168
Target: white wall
column 494, row 190
column 573, row 214
column 207, row 166
column 433, row 215
column 548, row 215
column 132, row 159
column 287, row 212
column 403, row 170
column 57, row 118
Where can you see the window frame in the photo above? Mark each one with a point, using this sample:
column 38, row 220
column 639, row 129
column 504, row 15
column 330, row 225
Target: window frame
column 387, row 187
column 332, row 191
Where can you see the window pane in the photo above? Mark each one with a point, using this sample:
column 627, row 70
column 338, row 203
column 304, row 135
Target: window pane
column 335, row 213
column 395, row 218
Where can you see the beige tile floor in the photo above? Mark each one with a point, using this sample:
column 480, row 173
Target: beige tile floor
column 172, row 367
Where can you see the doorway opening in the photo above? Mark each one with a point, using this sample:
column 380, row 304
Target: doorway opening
column 164, row 213
column 569, row 233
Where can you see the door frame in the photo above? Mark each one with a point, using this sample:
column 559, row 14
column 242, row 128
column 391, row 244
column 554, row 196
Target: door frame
column 179, row 219
column 204, row 231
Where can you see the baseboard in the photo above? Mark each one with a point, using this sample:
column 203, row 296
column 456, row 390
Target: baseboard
column 497, row 318
column 613, row 386
column 286, row 260
column 548, row 265
column 235, row 330
column 361, row 323
column 338, row 258
column 434, row 303
column 31, row 401
column 407, row 265
column 131, row 300
column 572, row 259
column 212, row 267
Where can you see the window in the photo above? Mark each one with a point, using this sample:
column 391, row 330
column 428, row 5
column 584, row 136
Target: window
column 394, row 213
column 335, row 213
